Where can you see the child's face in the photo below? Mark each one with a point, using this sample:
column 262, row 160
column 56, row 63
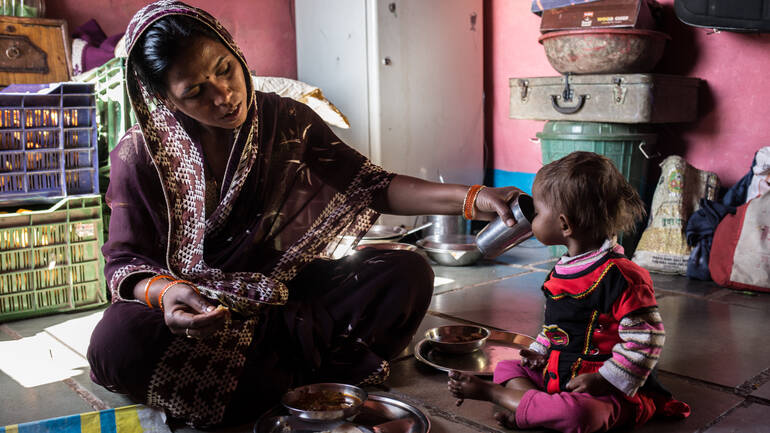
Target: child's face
column 546, row 225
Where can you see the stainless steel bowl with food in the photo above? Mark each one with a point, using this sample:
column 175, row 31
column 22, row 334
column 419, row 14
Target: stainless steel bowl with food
column 457, row 338
column 451, row 250
column 324, row 401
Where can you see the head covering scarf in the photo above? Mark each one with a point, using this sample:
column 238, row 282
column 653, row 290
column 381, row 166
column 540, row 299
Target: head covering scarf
column 295, row 218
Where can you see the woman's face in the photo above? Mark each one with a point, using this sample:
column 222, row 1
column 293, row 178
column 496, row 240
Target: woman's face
column 207, row 83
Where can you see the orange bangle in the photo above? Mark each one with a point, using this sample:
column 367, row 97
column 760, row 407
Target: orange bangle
column 149, row 283
column 171, row 284
column 469, row 203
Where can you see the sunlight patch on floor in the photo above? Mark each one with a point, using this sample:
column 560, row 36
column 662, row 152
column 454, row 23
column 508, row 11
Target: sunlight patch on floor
column 52, row 355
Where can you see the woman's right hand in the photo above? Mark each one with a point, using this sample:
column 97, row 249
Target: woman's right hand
column 188, row 313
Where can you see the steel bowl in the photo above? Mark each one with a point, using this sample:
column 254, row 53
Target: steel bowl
column 457, row 338
column 299, row 401
column 604, row 51
column 451, row 250
column 388, row 246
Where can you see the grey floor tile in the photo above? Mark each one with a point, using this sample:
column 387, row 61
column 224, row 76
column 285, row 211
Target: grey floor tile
column 75, row 332
column 527, row 252
column 706, row 403
column 744, row 298
column 33, row 369
column 34, row 325
column 763, row 392
column 713, row 341
column 464, row 276
column 752, row 419
column 514, row 304
column 110, row 399
column 545, row 266
column 680, row 284
column 439, row 424
column 19, row 404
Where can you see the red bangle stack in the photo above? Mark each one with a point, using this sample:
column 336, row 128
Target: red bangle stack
column 171, row 284
column 149, row 283
column 469, row 204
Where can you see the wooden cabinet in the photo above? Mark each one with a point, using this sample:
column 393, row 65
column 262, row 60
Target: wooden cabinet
column 33, row 50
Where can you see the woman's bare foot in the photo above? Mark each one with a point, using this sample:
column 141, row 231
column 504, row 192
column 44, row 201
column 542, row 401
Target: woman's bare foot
column 464, row 386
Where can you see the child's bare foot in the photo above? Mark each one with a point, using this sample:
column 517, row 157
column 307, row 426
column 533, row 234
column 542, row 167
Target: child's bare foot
column 464, row 386
column 506, row 419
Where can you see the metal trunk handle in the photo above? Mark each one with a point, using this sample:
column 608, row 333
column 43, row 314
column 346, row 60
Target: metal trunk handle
column 567, row 94
column 567, row 110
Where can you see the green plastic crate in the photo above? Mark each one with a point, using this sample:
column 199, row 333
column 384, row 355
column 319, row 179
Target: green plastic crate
column 113, row 110
column 50, row 259
column 114, row 116
column 625, row 144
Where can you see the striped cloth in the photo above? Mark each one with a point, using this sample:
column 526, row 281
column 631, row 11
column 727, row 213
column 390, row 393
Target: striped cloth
column 127, row 419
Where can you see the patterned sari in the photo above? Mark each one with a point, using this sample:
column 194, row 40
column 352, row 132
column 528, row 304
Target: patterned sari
column 291, row 192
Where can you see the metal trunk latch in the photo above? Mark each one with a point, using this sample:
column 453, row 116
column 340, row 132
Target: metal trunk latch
column 523, row 89
column 567, row 95
column 618, row 91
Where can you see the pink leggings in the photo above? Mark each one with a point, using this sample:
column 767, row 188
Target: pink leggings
column 563, row 411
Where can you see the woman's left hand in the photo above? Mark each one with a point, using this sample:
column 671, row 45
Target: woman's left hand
column 492, row 202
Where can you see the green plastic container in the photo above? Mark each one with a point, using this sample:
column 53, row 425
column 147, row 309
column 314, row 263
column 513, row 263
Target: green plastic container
column 113, row 111
column 627, row 145
column 50, row 259
column 114, row 116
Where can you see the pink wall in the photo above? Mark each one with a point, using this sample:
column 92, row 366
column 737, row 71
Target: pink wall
column 263, row 29
column 734, row 108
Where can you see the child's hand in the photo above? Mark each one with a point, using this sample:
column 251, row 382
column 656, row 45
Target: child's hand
column 531, row 359
column 592, row 383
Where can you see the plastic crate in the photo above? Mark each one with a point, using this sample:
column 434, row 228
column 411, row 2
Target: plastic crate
column 50, row 259
column 113, row 110
column 48, row 144
column 625, row 144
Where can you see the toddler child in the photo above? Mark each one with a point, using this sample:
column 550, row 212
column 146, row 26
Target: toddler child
column 592, row 367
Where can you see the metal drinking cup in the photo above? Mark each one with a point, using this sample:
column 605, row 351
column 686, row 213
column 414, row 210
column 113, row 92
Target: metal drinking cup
column 497, row 238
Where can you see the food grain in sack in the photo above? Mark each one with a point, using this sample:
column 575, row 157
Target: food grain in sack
column 663, row 247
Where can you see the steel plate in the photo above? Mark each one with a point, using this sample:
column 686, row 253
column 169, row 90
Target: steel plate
column 377, row 410
column 384, row 232
column 500, row 346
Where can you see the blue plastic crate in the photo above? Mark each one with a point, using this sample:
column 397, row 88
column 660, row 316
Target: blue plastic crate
column 48, row 147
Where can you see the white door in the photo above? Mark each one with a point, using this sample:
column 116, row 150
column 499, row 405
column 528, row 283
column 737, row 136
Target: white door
column 427, row 109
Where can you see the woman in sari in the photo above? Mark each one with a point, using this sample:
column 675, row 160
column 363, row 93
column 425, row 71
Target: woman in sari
column 227, row 204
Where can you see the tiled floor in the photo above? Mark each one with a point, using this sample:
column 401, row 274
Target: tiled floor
column 717, row 356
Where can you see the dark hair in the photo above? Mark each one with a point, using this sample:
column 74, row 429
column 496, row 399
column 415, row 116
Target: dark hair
column 159, row 46
column 592, row 193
